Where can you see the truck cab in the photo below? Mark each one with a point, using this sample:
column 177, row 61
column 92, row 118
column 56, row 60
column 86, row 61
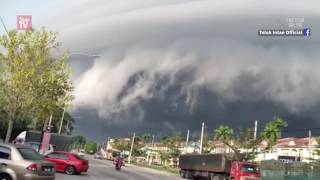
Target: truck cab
column 244, row 171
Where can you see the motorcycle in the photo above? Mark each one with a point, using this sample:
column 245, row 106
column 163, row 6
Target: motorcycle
column 118, row 162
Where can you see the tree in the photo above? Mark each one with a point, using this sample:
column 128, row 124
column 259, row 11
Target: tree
column 67, row 123
column 246, row 141
column 272, row 131
column 32, row 82
column 21, row 124
column 78, row 140
column 121, row 145
column 248, row 144
column 207, row 147
column 146, row 138
column 226, row 135
column 164, row 157
column 173, row 143
column 91, row 147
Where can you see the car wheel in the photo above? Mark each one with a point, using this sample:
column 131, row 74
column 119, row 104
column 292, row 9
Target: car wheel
column 70, row 170
column 5, row 177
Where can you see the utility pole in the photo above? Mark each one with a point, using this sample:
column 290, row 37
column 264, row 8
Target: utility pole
column 98, row 147
column 61, row 122
column 309, row 144
column 152, row 143
column 310, row 134
column 50, row 122
column 187, row 141
column 130, row 154
column 255, row 129
column 107, row 146
column 201, row 140
column 4, row 26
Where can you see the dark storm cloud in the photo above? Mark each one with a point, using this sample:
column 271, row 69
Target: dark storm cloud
column 169, row 65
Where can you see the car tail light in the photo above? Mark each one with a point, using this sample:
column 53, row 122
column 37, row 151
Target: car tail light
column 32, row 168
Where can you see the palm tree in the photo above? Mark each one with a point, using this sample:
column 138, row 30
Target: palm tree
column 147, row 138
column 225, row 134
column 272, row 131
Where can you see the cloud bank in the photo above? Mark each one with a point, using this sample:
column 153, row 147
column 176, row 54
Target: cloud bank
column 150, row 47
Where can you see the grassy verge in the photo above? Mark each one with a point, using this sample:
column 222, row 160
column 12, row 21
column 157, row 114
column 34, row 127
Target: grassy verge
column 158, row 167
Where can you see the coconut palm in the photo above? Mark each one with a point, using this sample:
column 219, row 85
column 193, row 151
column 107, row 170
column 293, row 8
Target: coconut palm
column 225, row 134
column 272, row 131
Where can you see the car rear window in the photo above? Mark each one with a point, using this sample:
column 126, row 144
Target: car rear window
column 30, row 154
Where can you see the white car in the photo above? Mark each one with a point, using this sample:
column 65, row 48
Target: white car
column 81, row 153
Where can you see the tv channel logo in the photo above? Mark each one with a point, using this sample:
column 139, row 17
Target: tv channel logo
column 24, row 22
column 307, row 32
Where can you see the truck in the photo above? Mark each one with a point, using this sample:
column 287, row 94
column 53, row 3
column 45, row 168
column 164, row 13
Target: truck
column 32, row 138
column 217, row 167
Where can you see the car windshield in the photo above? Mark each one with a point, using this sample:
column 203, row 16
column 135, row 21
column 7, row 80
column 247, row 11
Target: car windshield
column 247, row 168
column 30, row 154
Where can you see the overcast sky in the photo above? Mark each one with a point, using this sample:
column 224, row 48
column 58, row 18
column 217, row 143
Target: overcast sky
column 168, row 65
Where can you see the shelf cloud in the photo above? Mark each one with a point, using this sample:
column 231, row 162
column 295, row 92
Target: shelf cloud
column 178, row 53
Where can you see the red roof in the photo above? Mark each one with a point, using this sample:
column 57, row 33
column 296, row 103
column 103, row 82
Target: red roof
column 294, row 142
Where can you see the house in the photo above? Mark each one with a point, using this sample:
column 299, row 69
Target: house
column 154, row 153
column 219, row 147
column 286, row 149
column 291, row 149
column 193, row 147
column 109, row 152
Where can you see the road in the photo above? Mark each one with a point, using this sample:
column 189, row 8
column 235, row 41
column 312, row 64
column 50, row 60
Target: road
column 104, row 170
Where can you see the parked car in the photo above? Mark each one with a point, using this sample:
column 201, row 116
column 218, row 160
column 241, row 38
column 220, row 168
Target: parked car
column 97, row 156
column 67, row 162
column 20, row 162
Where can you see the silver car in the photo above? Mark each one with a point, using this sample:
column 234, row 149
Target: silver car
column 19, row 162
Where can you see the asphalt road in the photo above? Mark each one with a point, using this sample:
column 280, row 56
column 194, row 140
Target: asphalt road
column 104, row 170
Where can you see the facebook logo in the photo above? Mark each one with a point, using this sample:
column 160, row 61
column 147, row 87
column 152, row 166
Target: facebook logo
column 307, row 32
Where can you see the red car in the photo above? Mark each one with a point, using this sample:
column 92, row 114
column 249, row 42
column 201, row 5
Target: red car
column 68, row 162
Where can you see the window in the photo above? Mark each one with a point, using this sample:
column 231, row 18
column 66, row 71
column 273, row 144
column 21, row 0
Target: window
column 53, row 155
column 64, row 156
column 4, row 152
column 57, row 155
column 249, row 168
column 30, row 154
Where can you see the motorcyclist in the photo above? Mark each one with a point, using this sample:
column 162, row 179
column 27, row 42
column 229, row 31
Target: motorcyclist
column 118, row 162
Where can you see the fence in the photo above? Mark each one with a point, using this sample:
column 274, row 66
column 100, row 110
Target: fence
column 289, row 171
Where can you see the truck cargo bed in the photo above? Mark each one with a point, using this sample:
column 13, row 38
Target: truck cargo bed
column 218, row 163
